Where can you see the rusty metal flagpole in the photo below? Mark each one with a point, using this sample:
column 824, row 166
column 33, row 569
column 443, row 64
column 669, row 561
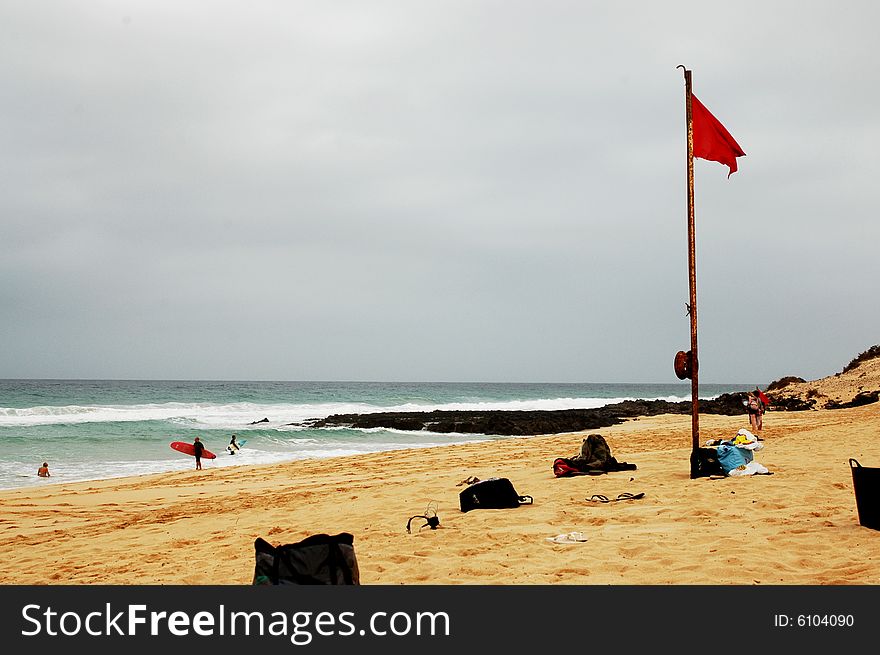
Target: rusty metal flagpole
column 692, row 268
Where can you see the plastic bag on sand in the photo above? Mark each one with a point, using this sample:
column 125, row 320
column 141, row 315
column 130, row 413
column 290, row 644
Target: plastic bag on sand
column 752, row 468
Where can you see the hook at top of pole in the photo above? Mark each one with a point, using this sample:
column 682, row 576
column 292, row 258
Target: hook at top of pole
column 686, row 72
column 687, row 81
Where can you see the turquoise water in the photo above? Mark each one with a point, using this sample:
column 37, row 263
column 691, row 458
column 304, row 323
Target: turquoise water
column 94, row 429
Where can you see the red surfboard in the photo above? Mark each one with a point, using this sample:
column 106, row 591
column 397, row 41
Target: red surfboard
column 188, row 449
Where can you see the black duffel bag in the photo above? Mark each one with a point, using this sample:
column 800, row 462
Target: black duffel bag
column 494, row 493
column 319, row 559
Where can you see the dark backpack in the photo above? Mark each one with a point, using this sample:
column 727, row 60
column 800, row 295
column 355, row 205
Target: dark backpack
column 595, row 458
column 319, row 559
column 595, row 451
column 494, row 493
column 704, row 462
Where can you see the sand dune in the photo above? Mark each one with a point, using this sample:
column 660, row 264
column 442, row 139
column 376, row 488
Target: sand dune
column 863, row 377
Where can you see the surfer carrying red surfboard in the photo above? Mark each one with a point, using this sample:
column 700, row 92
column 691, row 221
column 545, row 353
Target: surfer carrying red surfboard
column 198, row 447
column 190, row 449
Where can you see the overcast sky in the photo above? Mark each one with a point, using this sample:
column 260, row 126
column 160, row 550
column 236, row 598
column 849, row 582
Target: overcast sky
column 463, row 190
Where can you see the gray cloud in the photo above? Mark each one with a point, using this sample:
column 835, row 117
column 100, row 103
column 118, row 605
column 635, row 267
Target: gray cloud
column 432, row 191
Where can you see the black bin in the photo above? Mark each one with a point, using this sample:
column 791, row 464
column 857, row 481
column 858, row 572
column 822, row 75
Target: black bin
column 866, row 483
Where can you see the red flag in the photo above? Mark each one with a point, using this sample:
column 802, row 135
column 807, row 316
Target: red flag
column 711, row 140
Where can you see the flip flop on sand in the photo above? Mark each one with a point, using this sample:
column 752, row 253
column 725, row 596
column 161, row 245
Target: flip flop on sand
column 599, row 498
column 569, row 538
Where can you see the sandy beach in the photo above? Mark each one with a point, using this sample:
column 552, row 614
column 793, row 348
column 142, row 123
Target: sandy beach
column 797, row 526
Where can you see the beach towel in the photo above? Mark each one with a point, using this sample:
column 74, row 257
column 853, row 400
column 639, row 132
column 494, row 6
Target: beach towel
column 730, row 457
column 317, row 560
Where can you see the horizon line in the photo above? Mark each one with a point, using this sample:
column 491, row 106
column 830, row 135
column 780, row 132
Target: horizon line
column 341, row 381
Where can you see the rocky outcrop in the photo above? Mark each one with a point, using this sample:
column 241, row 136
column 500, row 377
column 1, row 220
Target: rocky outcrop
column 781, row 383
column 863, row 398
column 523, row 423
column 791, row 403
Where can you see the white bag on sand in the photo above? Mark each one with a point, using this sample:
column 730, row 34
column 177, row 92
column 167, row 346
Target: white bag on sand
column 745, row 439
column 752, row 468
column 568, row 538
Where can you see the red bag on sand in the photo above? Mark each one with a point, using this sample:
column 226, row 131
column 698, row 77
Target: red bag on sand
column 561, row 468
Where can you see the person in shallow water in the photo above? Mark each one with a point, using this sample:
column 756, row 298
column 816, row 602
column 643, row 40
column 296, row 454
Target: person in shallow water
column 43, row 471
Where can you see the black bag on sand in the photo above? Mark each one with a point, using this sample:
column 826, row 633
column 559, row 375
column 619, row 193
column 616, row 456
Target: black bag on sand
column 704, row 463
column 494, row 493
column 319, row 559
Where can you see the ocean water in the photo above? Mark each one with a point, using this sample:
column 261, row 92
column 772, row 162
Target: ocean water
column 96, row 429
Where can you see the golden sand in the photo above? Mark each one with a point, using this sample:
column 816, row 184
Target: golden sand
column 797, row 526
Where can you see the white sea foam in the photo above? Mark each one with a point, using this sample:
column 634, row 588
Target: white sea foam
column 204, row 415
column 15, row 474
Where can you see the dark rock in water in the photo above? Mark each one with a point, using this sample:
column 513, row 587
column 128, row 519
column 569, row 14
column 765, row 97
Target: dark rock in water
column 526, row 422
column 265, row 420
column 863, row 398
column 508, row 423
